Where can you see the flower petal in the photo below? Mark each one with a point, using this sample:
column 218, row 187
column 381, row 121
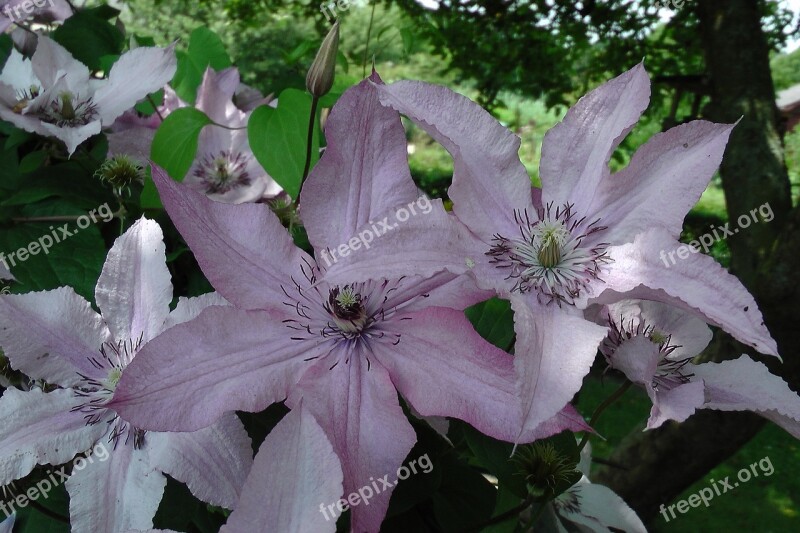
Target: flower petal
column 489, row 181
column 136, row 74
column 7, row 525
column 41, row 428
column 746, row 385
column 676, row 404
column 553, row 353
column 244, row 251
column 575, row 153
column 135, row 289
column 213, row 462
column 662, row 182
column 444, row 368
column 119, row 493
column 188, row 308
column 697, row 284
column 295, row 473
column 421, row 246
column 600, row 509
column 358, row 408
column 51, row 62
column 363, row 172
column 215, row 96
column 224, row 360
column 52, row 335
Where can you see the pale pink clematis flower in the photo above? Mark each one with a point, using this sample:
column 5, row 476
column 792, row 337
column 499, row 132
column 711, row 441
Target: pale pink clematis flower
column 654, row 345
column 343, row 350
column 585, row 237
column 53, row 94
column 56, row 337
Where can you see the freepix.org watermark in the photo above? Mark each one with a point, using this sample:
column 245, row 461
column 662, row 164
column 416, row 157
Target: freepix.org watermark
column 717, row 234
column 55, row 478
column 718, row 488
column 25, row 9
column 421, row 205
column 376, row 486
column 57, row 235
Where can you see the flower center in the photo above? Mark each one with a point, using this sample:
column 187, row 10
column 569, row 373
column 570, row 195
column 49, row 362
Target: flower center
column 551, row 256
column 69, row 110
column 669, row 372
column 223, row 172
column 347, row 309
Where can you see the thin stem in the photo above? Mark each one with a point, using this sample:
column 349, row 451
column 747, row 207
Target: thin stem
column 602, row 407
column 310, row 140
column 366, row 47
column 152, row 103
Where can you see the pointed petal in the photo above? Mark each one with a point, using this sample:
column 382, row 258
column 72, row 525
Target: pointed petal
column 295, row 471
column 489, row 181
column 553, row 353
column 662, row 182
column 135, row 75
column 422, row 245
column 359, row 411
column 72, row 137
column 40, row 428
column 7, row 525
column 52, row 61
column 575, row 153
column 18, row 72
column 213, row 462
column 119, row 493
column 697, row 284
column 568, row 419
column 244, row 251
column 215, row 95
column 224, row 360
column 134, row 290
column 363, row 173
column 52, row 335
column 5, row 273
column 746, row 385
column 442, row 367
column 600, row 509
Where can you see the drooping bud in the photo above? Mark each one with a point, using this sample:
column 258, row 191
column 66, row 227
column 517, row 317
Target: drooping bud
column 320, row 76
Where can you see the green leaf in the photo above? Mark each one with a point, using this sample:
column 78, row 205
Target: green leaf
column 495, row 456
column 494, row 321
column 278, row 138
column 174, row 149
column 30, row 520
column 465, row 499
column 70, row 260
column 205, row 50
column 32, row 161
column 145, row 107
column 88, row 37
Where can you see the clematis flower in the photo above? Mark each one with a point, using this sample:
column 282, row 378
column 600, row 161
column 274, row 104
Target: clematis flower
column 56, row 337
column 344, row 351
column 225, row 168
column 585, row 237
column 654, row 345
column 54, row 95
column 589, row 507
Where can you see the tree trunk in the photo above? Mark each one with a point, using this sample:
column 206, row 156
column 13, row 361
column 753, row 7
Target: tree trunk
column 661, row 464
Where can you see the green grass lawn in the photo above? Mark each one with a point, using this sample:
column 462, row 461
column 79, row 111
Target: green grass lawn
column 763, row 504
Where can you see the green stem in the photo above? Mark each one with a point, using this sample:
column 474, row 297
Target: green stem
column 366, row 47
column 602, row 407
column 310, row 140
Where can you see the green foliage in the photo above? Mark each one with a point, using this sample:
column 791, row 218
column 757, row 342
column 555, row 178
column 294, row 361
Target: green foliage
column 278, row 138
column 89, row 38
column 205, row 50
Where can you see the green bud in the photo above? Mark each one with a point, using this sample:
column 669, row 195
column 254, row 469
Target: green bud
column 121, row 172
column 320, row 76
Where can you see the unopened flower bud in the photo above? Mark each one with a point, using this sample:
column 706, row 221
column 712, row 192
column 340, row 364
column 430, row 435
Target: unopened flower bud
column 320, row 76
